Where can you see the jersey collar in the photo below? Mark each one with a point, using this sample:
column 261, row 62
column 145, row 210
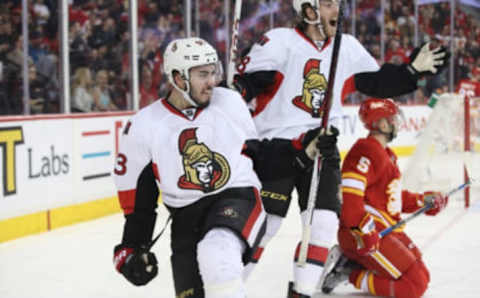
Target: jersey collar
column 189, row 114
column 307, row 39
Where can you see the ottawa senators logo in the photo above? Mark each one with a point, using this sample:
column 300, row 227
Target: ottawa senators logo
column 204, row 170
column 314, row 88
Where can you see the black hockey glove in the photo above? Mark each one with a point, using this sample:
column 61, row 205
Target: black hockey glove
column 139, row 266
column 326, row 141
column 426, row 60
column 312, row 141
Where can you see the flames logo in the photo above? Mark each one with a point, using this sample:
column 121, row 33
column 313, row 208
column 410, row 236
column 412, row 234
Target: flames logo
column 314, row 88
column 204, row 169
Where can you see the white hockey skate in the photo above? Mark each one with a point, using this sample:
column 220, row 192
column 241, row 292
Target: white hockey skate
column 335, row 270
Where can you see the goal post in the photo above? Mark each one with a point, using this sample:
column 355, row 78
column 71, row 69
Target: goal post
column 447, row 152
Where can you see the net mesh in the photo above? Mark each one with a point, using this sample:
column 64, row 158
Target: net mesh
column 440, row 158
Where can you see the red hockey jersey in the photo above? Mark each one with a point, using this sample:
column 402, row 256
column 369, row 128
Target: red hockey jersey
column 371, row 183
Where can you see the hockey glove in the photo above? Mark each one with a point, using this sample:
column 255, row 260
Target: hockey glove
column 325, row 141
column 436, row 200
column 366, row 236
column 139, row 266
column 426, row 61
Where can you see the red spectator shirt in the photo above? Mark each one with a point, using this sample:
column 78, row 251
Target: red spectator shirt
column 469, row 88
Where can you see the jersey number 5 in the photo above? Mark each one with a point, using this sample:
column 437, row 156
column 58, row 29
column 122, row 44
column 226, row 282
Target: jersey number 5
column 363, row 164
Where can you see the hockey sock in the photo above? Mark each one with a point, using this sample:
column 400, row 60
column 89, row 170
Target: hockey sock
column 273, row 225
column 412, row 284
column 323, row 235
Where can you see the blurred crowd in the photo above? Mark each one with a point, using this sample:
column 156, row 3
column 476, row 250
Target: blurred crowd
column 99, row 45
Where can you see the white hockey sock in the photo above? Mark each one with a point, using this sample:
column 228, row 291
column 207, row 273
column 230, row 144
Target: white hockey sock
column 273, row 225
column 324, row 234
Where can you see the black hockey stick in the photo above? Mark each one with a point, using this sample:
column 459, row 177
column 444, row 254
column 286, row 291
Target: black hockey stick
column 425, row 208
column 149, row 246
column 317, row 166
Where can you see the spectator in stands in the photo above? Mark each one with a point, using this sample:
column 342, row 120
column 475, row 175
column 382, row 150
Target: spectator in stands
column 82, row 98
column 42, row 13
column 471, row 86
column 38, row 97
column 148, row 91
column 101, row 92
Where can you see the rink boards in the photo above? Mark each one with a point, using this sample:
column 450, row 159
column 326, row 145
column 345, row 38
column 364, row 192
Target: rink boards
column 57, row 170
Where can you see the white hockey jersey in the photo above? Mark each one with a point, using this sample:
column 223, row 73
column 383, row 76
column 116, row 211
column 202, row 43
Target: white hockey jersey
column 294, row 103
column 190, row 158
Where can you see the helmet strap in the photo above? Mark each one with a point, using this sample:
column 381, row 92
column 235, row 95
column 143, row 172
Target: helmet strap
column 317, row 22
column 186, row 93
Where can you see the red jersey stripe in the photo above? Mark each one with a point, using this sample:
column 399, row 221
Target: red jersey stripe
column 127, row 200
column 253, row 215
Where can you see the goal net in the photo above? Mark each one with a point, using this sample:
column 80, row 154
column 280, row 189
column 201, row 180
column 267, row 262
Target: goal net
column 448, row 148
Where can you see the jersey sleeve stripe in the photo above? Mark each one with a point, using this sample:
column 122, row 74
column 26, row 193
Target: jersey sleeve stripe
column 354, row 176
column 127, row 200
column 264, row 98
column 353, row 191
column 382, row 217
column 348, row 88
column 354, row 183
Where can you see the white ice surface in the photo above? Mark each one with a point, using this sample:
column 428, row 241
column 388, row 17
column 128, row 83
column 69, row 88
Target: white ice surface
column 76, row 261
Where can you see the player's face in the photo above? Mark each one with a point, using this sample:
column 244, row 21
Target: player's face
column 202, row 80
column 391, row 125
column 328, row 15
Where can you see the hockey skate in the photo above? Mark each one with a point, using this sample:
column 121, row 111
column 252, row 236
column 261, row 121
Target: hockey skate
column 336, row 270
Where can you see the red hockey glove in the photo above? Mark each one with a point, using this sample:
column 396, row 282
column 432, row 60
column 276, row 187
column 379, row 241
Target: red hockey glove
column 435, row 199
column 139, row 266
column 367, row 237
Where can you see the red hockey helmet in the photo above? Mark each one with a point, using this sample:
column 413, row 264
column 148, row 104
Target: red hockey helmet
column 374, row 109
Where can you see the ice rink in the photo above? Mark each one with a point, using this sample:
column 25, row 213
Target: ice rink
column 76, row 261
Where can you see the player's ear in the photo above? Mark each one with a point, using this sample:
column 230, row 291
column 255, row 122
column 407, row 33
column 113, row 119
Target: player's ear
column 309, row 12
column 179, row 80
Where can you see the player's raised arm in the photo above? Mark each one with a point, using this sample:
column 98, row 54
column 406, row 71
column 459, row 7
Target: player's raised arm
column 395, row 80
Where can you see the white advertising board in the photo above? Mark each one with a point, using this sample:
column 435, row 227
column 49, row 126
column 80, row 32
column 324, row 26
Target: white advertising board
column 351, row 128
column 50, row 162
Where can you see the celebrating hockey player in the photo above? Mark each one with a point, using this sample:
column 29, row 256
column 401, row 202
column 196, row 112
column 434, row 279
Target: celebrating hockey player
column 284, row 78
column 373, row 200
column 190, row 145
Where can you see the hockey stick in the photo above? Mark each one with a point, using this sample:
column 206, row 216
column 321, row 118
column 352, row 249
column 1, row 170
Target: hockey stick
column 234, row 43
column 317, row 166
column 425, row 208
column 149, row 246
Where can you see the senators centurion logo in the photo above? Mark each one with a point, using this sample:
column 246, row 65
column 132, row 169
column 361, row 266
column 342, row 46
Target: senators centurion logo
column 204, row 169
column 314, row 88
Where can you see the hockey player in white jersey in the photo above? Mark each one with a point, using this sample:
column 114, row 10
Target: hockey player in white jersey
column 189, row 146
column 284, row 79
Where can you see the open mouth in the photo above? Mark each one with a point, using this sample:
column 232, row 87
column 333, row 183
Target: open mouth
column 333, row 23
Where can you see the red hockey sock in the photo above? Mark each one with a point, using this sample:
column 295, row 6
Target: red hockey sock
column 412, row 284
